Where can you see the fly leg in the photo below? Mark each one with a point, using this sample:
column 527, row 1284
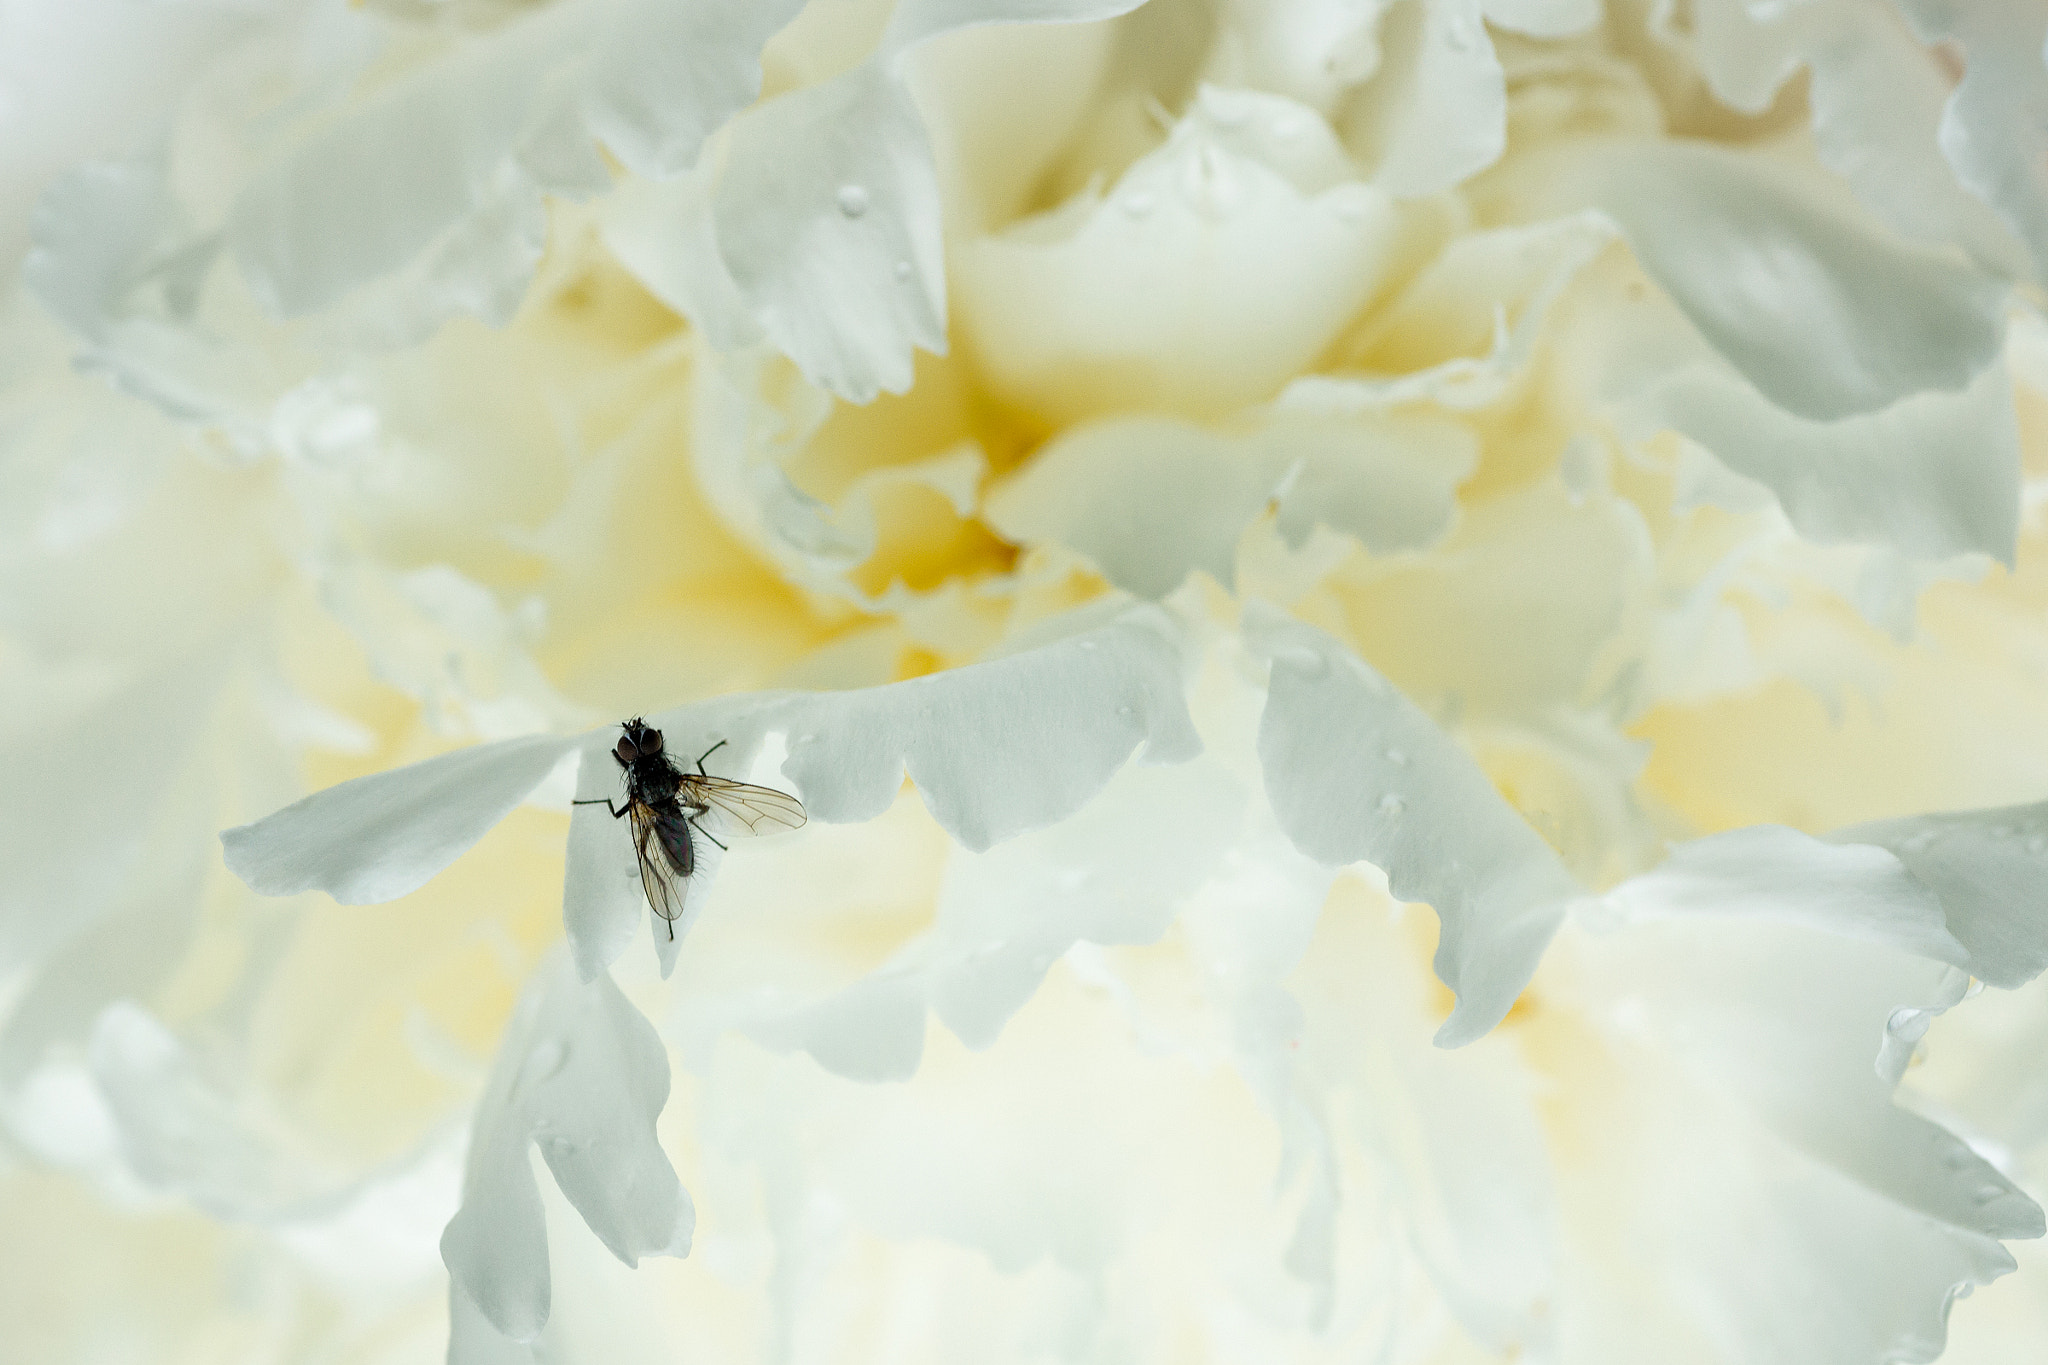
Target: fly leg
column 706, row 754
column 705, row 832
column 606, row 802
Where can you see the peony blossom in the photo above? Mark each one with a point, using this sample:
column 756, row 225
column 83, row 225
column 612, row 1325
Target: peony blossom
column 1412, row 633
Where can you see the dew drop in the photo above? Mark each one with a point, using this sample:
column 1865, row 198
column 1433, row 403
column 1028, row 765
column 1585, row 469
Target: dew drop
column 1397, row 758
column 1392, row 804
column 1138, row 203
column 853, row 200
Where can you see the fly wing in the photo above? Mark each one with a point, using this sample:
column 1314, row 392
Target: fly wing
column 659, row 877
column 754, row 810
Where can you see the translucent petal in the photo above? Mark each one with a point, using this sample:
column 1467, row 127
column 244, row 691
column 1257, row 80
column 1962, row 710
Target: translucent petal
column 378, row 837
column 1356, row 772
column 582, row 1074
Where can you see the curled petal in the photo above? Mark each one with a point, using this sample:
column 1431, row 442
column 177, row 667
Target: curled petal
column 1356, row 772
column 1987, row 869
column 583, row 1074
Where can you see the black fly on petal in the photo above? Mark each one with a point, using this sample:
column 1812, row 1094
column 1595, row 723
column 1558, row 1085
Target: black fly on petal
column 666, row 803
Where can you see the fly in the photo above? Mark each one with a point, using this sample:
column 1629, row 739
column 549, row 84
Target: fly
column 666, row 803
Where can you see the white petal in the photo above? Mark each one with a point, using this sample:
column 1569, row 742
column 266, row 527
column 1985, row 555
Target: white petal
column 1145, row 499
column 1463, row 334
column 361, row 196
column 1988, row 868
column 1826, row 319
column 1150, row 499
column 1355, row 772
column 1935, row 474
column 827, row 216
column 662, row 232
column 664, row 76
column 1000, row 747
column 1876, row 94
column 378, row 837
column 1436, row 112
column 916, row 20
column 1995, row 128
column 1543, row 18
column 584, row 1075
column 1087, row 309
column 995, row 748
column 1769, row 870
column 1118, row 872
column 1751, row 1041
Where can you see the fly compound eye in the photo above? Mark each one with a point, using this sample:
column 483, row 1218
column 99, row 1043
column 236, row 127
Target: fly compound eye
column 626, row 753
column 650, row 740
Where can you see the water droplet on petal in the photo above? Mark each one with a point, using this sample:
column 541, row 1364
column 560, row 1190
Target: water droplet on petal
column 853, row 200
column 1392, row 804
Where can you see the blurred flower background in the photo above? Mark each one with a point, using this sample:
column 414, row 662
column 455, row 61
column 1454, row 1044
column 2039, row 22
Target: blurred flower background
column 1510, row 524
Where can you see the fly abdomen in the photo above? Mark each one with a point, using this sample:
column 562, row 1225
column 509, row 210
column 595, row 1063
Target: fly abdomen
column 672, row 827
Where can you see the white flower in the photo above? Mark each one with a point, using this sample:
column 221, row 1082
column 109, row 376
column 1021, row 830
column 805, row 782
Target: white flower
column 1266, row 536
